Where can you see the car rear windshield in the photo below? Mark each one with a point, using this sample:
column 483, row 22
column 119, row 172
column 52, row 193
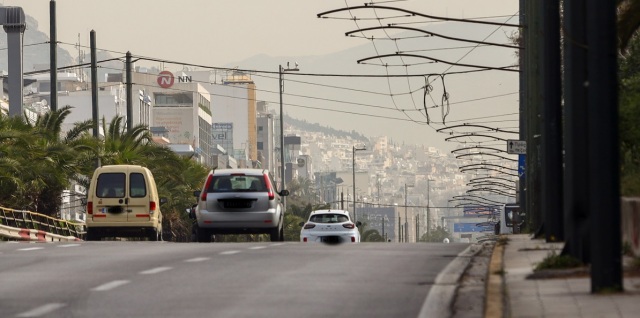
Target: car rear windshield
column 329, row 218
column 240, row 183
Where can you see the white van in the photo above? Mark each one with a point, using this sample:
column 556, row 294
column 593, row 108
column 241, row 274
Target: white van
column 122, row 201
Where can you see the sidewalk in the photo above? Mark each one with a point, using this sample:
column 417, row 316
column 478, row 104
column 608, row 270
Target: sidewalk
column 511, row 294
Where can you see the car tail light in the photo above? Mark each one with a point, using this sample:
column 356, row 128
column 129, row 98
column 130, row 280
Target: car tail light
column 304, row 239
column 353, row 239
column 309, row 226
column 349, row 225
column 89, row 207
column 152, row 207
column 269, row 188
column 203, row 195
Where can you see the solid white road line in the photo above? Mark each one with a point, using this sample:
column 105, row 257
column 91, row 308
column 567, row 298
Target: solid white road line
column 229, row 252
column 42, row 310
column 111, row 285
column 155, row 270
column 197, row 259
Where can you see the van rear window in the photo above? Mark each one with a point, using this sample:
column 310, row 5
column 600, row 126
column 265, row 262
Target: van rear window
column 110, row 185
column 137, row 186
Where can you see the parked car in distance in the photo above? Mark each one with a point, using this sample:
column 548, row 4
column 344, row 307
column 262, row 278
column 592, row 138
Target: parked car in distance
column 331, row 227
column 122, row 201
column 239, row 201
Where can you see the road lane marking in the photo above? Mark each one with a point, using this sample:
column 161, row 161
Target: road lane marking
column 30, row 248
column 198, row 259
column 42, row 310
column 277, row 244
column 155, row 270
column 257, row 247
column 111, row 285
column 69, row 245
column 229, row 252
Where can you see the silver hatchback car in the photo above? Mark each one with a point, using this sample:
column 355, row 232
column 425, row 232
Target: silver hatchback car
column 239, row 201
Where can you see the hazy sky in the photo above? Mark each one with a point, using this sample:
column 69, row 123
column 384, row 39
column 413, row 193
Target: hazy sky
column 231, row 32
column 224, row 31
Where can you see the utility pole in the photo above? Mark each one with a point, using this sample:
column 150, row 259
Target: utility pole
column 94, row 90
column 428, row 210
column 551, row 151
column 281, row 71
column 406, row 217
column 604, row 181
column 353, row 165
column 53, row 55
column 576, row 202
column 129, row 92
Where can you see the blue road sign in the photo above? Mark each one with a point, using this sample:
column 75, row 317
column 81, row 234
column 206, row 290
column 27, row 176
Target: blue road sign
column 468, row 227
column 522, row 164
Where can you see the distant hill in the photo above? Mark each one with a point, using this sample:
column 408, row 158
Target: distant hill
column 315, row 127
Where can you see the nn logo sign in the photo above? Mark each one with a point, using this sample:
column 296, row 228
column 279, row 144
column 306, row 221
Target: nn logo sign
column 165, row 79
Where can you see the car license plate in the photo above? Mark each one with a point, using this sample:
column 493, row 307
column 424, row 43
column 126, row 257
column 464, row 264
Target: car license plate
column 237, row 204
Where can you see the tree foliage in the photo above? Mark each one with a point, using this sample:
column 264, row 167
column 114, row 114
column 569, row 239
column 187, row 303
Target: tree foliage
column 38, row 162
column 629, row 116
column 436, row 235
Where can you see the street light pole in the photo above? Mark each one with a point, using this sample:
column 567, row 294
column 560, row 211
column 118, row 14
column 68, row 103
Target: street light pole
column 406, row 219
column 281, row 70
column 353, row 165
column 428, row 215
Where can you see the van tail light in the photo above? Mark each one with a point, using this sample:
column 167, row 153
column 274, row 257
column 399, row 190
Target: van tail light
column 309, row 226
column 269, row 188
column 203, row 195
column 89, row 207
column 353, row 239
column 152, row 207
column 304, row 239
column 349, row 225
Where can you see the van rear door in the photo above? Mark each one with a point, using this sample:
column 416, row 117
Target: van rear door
column 110, row 193
column 138, row 200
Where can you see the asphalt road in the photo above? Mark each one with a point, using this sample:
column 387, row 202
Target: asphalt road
column 160, row 279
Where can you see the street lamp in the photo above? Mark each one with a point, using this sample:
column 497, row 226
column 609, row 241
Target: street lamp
column 355, row 218
column 406, row 220
column 428, row 215
column 281, row 70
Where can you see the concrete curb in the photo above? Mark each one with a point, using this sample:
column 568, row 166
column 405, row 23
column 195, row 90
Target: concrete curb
column 440, row 298
column 495, row 291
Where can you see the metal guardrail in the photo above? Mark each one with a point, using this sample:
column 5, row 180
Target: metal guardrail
column 21, row 219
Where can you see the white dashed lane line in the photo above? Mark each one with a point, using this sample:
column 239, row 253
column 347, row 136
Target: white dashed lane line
column 111, row 285
column 229, row 252
column 257, row 247
column 69, row 245
column 42, row 310
column 155, row 270
column 30, row 248
column 197, row 259
column 277, row 244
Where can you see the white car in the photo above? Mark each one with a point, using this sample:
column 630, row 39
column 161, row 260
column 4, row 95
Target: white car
column 331, row 227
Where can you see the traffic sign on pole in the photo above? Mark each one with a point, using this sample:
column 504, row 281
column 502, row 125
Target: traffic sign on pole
column 516, row 147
